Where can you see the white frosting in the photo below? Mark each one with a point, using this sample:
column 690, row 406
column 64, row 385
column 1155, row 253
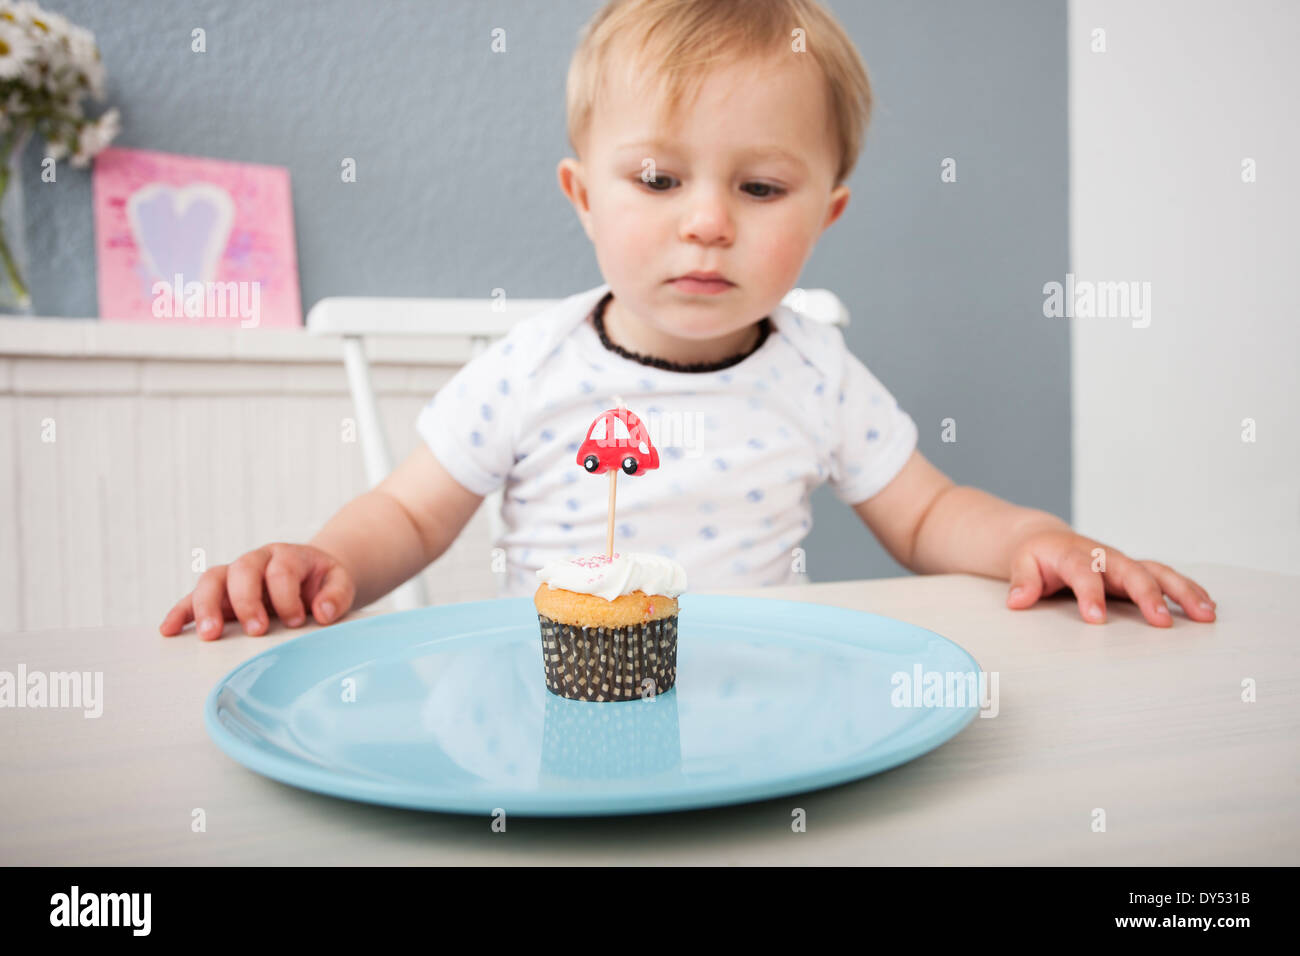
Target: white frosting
column 611, row 578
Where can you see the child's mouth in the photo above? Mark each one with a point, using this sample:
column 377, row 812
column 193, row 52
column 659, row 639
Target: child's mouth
column 697, row 286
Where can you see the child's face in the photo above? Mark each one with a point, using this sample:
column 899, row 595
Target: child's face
column 718, row 204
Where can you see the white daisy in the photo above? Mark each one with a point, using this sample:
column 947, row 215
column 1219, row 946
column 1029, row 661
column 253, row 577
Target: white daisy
column 55, row 25
column 28, row 14
column 9, row 10
column 84, row 58
column 33, row 22
column 95, row 136
column 16, row 50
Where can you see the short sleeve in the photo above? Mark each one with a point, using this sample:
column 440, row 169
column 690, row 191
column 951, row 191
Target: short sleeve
column 471, row 423
column 874, row 436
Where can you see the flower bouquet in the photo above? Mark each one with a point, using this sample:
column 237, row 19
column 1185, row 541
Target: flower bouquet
column 47, row 67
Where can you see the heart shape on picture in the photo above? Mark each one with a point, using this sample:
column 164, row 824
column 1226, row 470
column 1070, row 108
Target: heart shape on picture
column 181, row 230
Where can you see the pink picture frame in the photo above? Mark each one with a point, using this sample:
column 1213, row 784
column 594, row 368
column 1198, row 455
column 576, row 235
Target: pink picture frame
column 195, row 241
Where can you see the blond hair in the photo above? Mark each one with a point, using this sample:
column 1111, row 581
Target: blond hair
column 683, row 40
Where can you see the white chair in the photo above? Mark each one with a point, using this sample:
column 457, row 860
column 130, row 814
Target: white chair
column 356, row 319
column 481, row 320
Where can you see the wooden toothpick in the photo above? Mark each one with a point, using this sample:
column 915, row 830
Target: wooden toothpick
column 613, row 483
column 609, row 540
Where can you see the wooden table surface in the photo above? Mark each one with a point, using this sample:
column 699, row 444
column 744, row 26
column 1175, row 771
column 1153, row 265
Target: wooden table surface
column 1146, row 723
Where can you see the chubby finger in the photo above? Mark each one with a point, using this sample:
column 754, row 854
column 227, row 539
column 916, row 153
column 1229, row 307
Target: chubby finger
column 209, row 592
column 334, row 596
column 1142, row 589
column 1087, row 585
column 1191, row 597
column 284, row 574
column 176, row 619
column 244, row 585
column 1026, row 581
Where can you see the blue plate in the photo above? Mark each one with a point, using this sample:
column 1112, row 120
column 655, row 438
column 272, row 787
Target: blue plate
column 445, row 708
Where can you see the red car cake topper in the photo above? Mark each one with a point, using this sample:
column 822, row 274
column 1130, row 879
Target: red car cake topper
column 617, row 441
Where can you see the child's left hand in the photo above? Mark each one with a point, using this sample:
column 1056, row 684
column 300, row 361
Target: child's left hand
column 1046, row 561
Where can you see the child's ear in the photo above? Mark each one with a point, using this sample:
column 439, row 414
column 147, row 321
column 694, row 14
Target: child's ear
column 839, row 201
column 570, row 175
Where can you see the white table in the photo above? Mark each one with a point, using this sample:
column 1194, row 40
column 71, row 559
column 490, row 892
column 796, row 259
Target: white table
column 1147, row 723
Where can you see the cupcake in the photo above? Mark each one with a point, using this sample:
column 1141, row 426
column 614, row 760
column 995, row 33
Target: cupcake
column 609, row 625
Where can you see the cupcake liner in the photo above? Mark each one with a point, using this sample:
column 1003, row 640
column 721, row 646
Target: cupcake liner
column 609, row 663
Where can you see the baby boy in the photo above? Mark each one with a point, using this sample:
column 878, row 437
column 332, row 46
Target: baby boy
column 712, row 140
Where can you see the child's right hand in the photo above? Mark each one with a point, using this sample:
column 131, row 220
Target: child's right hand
column 283, row 575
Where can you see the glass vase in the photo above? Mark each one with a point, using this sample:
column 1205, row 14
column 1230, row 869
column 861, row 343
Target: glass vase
column 15, row 298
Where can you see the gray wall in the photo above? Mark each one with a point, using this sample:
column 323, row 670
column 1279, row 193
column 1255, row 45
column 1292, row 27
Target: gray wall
column 455, row 195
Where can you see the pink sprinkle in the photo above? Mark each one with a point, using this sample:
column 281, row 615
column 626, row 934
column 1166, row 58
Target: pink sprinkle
column 593, row 562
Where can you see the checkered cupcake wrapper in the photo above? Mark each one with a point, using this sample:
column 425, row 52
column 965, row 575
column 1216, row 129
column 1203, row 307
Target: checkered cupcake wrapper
column 609, row 663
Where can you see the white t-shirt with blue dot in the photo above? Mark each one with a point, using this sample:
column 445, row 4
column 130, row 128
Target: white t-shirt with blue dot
column 740, row 449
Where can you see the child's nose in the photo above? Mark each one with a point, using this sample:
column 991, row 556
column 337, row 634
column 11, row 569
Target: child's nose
column 708, row 219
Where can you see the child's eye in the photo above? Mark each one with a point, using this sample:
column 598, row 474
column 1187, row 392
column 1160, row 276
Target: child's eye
column 663, row 183
column 660, row 178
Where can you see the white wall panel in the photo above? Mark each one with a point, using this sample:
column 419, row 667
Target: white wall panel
column 1160, row 124
column 158, row 454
